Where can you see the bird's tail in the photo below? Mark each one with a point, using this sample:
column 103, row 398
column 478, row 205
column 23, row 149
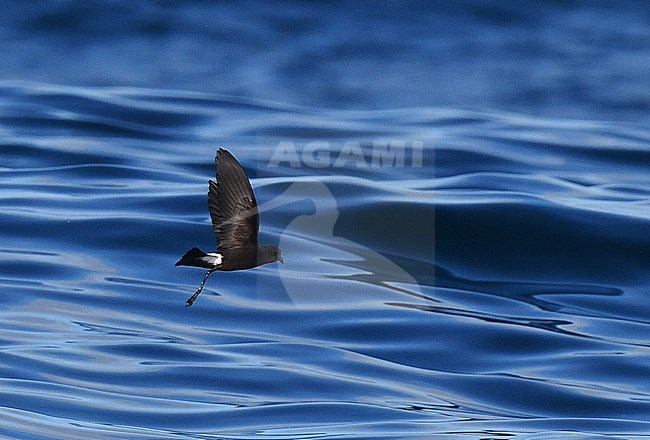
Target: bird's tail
column 192, row 258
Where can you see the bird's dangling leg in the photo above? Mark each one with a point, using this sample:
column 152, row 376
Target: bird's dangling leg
column 190, row 301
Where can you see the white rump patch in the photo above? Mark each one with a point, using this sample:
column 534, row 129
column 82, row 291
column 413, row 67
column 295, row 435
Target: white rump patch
column 213, row 259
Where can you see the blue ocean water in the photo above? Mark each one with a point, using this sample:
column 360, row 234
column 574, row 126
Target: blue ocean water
column 452, row 270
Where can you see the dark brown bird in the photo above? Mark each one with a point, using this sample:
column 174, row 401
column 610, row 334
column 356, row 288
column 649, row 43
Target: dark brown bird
column 236, row 222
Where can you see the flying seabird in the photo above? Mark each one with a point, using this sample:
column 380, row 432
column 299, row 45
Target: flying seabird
column 236, row 222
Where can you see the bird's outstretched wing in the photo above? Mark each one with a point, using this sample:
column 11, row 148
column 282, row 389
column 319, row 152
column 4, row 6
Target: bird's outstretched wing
column 232, row 204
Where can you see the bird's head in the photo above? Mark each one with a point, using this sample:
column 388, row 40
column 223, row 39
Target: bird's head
column 269, row 254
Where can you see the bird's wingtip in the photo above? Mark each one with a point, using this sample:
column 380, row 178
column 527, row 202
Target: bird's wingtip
column 223, row 152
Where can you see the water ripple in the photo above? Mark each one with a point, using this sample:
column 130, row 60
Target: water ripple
column 496, row 291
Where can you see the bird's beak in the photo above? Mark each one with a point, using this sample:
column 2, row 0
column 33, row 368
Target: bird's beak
column 281, row 260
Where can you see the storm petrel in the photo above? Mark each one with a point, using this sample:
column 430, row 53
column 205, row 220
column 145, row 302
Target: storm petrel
column 236, row 222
